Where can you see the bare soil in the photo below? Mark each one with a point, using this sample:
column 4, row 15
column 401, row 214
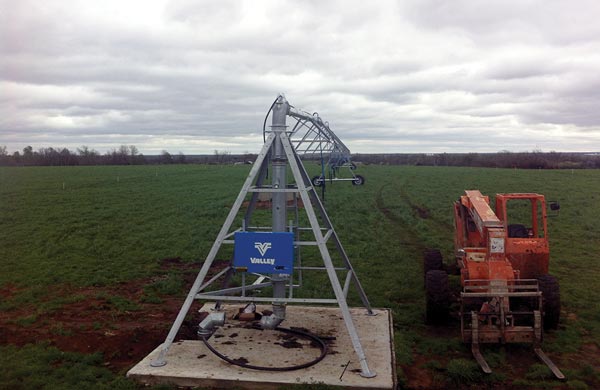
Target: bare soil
column 92, row 324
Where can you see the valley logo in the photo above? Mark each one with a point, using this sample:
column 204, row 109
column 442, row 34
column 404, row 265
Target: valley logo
column 262, row 247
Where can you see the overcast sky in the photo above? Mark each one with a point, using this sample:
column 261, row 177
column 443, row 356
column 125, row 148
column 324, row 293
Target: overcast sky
column 389, row 76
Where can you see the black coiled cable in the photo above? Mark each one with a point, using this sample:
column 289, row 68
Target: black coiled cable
column 307, row 335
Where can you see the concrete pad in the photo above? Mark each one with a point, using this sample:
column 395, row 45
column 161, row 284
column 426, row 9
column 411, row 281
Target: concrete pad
column 191, row 363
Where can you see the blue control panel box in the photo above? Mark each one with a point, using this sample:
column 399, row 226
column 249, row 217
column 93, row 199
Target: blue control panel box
column 264, row 252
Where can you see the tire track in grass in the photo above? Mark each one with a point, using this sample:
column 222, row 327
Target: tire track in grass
column 416, row 372
column 410, row 363
column 420, row 211
column 409, row 238
column 431, row 219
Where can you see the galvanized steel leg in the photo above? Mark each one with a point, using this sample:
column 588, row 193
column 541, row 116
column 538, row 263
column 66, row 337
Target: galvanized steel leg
column 322, row 244
column 317, row 201
column 161, row 359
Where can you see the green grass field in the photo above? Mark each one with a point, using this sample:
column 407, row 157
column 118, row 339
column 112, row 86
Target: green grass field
column 73, row 234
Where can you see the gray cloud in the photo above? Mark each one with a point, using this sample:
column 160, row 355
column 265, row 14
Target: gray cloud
column 195, row 76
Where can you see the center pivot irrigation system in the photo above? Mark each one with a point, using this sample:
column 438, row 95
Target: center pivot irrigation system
column 313, row 139
column 268, row 257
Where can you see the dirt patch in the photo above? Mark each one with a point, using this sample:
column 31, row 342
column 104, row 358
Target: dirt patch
column 114, row 321
column 293, row 343
column 169, row 262
column 588, row 354
column 422, row 212
column 93, row 325
column 7, row 291
column 241, row 360
column 419, row 377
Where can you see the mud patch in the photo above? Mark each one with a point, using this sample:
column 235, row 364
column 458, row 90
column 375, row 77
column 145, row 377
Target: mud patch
column 418, row 376
column 291, row 344
column 113, row 320
column 241, row 360
column 422, row 212
column 6, row 292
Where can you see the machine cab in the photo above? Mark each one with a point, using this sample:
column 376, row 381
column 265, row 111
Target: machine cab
column 525, row 221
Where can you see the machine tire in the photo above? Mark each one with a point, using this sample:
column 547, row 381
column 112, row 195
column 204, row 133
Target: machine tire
column 437, row 293
column 432, row 261
column 318, row 181
column 358, row 180
column 551, row 300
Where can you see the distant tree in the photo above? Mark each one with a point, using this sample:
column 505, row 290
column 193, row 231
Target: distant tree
column 28, row 155
column 88, row 156
column 118, row 156
column 67, row 158
column 134, row 155
column 123, row 150
column 4, row 159
column 166, row 158
column 83, row 151
column 180, row 159
column 222, row 156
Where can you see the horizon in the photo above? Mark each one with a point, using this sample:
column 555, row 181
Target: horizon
column 76, row 151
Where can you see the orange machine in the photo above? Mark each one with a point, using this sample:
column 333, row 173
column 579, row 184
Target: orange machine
column 503, row 256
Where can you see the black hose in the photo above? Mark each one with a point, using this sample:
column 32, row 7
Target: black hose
column 311, row 336
column 267, row 117
column 265, row 128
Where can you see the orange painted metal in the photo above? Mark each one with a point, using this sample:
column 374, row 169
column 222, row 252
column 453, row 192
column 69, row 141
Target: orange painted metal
column 488, row 251
column 529, row 255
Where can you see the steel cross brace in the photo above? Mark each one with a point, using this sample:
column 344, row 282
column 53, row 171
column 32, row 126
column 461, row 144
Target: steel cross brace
column 322, row 244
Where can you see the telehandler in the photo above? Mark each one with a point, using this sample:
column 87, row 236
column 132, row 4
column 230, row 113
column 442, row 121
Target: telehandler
column 507, row 294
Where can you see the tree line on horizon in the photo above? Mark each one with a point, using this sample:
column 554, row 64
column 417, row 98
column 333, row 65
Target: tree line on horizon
column 504, row 159
column 130, row 155
column 123, row 155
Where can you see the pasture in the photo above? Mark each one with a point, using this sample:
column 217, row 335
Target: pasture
column 95, row 262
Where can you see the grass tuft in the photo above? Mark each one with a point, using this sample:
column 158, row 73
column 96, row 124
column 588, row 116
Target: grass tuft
column 461, row 371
